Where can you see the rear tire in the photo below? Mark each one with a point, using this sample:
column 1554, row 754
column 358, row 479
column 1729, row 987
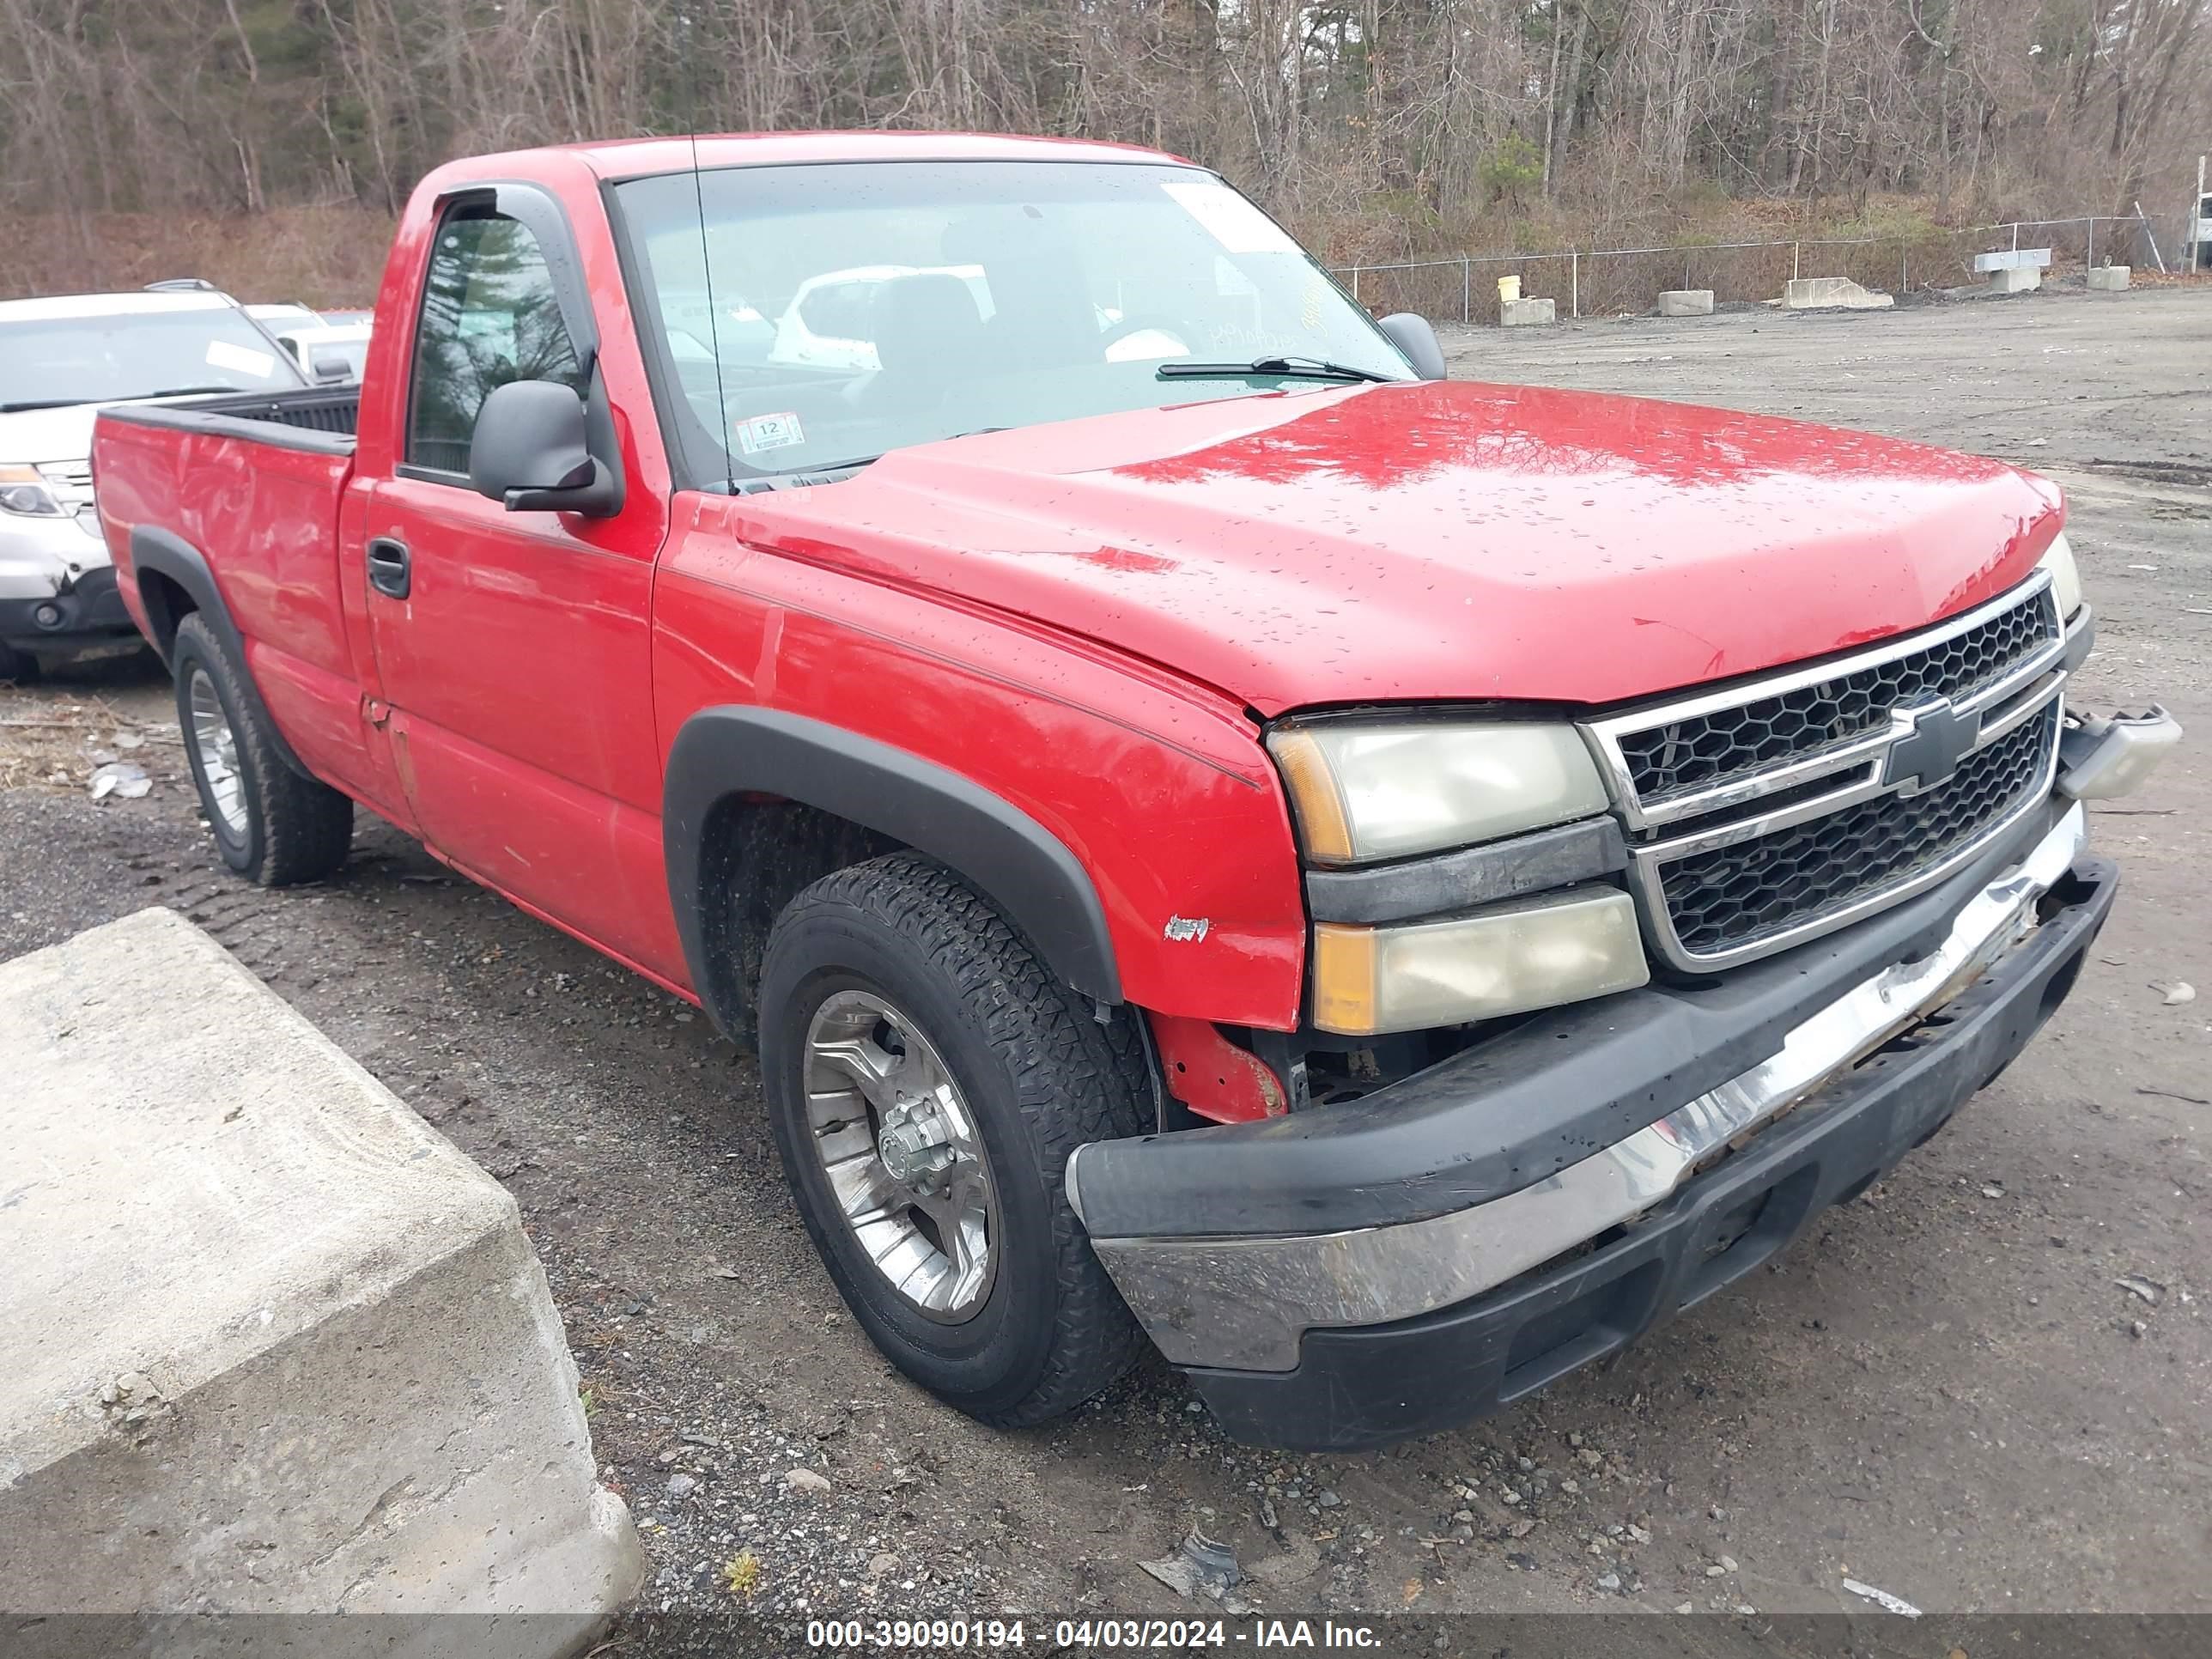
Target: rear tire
column 1033, row 1327
column 272, row 825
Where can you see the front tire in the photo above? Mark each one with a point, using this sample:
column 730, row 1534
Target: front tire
column 272, row 825
column 927, row 1078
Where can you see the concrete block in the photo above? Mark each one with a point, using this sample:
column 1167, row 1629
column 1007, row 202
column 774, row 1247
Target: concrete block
column 1840, row 293
column 2014, row 279
column 2112, row 279
column 1522, row 314
column 2014, row 259
column 274, row 1344
column 1686, row 302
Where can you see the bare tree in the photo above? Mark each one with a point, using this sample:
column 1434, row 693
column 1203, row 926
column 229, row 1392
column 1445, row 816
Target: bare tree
column 1395, row 123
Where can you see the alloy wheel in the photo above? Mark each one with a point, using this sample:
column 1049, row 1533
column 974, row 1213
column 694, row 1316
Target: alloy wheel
column 903, row 1155
column 217, row 749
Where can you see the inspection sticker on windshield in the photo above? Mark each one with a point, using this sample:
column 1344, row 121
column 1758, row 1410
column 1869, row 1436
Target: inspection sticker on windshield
column 760, row 432
column 1233, row 221
column 241, row 360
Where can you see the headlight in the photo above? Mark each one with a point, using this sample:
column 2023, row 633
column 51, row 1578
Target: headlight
column 1505, row 959
column 2065, row 578
column 22, row 490
column 1373, row 788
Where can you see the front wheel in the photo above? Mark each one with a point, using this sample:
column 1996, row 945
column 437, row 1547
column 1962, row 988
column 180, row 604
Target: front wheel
column 926, row 1079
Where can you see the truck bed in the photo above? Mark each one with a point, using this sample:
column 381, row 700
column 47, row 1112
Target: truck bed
column 318, row 419
column 230, row 505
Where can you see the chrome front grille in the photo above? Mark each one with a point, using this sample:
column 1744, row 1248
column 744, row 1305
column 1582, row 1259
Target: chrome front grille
column 71, row 484
column 69, row 481
column 1683, row 757
column 1739, row 895
column 1777, row 810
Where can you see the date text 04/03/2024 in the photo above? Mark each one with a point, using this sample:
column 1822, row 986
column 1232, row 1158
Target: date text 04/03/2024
column 1137, row 1634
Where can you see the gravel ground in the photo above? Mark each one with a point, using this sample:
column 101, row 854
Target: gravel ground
column 1941, row 1390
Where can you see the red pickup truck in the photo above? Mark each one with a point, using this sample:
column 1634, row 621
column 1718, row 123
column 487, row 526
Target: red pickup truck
column 1385, row 887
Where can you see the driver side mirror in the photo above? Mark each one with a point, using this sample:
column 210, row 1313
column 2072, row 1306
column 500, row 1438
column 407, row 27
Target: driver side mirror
column 1411, row 334
column 530, row 452
column 330, row 367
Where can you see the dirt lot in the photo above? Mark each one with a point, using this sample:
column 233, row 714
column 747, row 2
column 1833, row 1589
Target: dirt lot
column 1941, row 1390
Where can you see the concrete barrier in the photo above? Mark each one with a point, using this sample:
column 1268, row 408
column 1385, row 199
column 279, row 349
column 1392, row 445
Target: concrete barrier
column 1831, row 293
column 2110, row 279
column 275, row 1346
column 1686, row 302
column 2014, row 279
column 1524, row 313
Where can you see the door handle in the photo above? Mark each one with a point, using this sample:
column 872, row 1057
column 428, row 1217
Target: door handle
column 390, row 569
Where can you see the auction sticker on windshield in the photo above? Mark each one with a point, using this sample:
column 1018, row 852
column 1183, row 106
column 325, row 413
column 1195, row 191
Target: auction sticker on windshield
column 761, row 432
column 1229, row 219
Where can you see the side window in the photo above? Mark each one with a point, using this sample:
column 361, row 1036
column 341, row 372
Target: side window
column 488, row 317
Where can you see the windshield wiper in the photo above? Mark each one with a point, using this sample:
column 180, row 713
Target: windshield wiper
column 46, row 402
column 1295, row 368
column 188, row 390
column 821, row 474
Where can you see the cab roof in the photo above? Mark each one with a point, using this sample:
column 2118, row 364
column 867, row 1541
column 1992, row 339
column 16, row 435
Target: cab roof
column 632, row 158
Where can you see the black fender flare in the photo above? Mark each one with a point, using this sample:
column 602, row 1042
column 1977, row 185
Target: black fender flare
column 164, row 553
column 1037, row 884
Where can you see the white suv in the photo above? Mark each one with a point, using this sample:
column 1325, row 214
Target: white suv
column 60, row 359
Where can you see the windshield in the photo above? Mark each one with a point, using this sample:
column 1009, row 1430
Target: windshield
column 51, row 361
column 828, row 313
column 354, row 353
column 322, row 350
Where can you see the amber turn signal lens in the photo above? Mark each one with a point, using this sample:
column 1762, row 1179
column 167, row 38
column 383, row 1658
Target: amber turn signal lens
column 1321, row 825
column 1344, row 978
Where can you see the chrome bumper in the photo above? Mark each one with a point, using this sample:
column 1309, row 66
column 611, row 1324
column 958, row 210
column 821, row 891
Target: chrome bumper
column 1244, row 1303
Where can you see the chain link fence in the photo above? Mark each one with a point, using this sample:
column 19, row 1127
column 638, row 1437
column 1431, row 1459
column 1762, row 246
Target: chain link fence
column 1609, row 281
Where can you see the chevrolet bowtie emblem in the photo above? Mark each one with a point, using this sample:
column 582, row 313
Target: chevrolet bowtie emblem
column 1929, row 739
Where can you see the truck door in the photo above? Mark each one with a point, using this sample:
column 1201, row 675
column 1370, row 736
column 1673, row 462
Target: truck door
column 512, row 648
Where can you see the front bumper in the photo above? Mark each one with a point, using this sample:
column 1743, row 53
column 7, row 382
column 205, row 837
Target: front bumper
column 1369, row 1333
column 67, row 616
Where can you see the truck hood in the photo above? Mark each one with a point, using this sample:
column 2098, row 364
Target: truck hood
column 31, row 437
column 1437, row 540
